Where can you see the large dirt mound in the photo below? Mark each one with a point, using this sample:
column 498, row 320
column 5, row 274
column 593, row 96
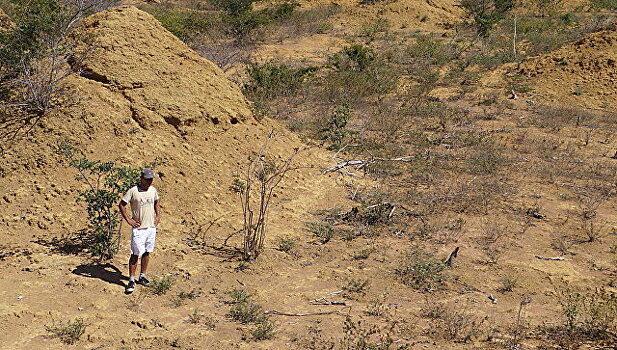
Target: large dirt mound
column 162, row 78
column 144, row 94
column 584, row 72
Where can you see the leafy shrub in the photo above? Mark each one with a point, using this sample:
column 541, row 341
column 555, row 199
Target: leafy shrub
column 161, row 285
column 358, row 72
column 184, row 24
column 246, row 312
column 356, row 58
column 242, row 20
column 239, row 296
column 334, row 131
column 604, row 4
column 68, row 332
column 286, row 244
column 486, row 13
column 421, row 271
column 324, row 231
column 273, row 79
column 592, row 314
column 264, row 330
column 105, row 182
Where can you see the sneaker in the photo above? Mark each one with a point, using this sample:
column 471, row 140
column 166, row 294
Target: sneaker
column 143, row 281
column 130, row 287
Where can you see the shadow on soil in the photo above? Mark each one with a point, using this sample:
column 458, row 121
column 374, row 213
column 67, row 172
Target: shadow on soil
column 106, row 272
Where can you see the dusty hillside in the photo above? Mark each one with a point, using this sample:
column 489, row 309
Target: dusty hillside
column 583, row 72
column 525, row 190
column 143, row 94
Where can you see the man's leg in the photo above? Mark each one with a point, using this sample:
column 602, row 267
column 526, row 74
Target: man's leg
column 130, row 287
column 133, row 265
column 145, row 258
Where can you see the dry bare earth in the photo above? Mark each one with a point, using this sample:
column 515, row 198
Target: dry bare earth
column 147, row 94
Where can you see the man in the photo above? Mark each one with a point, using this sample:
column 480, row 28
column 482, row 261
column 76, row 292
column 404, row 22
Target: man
column 146, row 214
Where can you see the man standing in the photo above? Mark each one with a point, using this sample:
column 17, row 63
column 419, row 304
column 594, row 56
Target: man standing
column 146, row 214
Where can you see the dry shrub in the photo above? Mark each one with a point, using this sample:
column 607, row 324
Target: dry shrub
column 587, row 315
column 557, row 117
column 562, row 243
column 421, row 271
column 493, row 240
column 309, row 21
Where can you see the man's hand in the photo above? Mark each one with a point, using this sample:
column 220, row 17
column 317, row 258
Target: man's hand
column 134, row 223
column 157, row 218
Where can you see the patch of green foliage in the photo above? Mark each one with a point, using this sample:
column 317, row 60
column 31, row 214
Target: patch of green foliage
column 358, row 72
column 334, row 131
column 242, row 20
column 68, row 332
column 161, row 285
column 604, row 4
column 105, row 184
column 273, row 79
column 421, row 271
column 185, row 24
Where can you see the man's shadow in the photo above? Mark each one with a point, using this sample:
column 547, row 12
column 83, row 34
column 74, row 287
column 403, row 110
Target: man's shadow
column 106, row 272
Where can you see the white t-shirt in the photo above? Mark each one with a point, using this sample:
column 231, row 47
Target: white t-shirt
column 142, row 204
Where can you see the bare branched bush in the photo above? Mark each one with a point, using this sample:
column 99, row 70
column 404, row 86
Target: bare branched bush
column 593, row 230
column 266, row 174
column 37, row 55
column 562, row 243
column 588, row 314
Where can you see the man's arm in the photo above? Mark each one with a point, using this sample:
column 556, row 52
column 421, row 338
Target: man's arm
column 157, row 212
column 125, row 215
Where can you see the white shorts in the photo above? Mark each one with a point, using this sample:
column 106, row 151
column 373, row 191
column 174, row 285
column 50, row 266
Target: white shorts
column 142, row 240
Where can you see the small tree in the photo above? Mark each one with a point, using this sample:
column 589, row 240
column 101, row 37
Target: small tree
column 105, row 183
column 37, row 53
column 486, row 13
column 266, row 174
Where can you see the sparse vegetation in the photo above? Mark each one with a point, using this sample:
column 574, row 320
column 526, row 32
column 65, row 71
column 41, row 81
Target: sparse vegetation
column 161, row 285
column 266, row 173
column 588, row 314
column 355, row 286
column 245, row 311
column 421, row 271
column 105, row 183
column 286, row 244
column 323, row 231
column 69, row 332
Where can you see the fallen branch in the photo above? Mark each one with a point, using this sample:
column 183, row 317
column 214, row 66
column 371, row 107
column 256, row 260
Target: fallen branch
column 275, row 312
column 324, row 301
column 550, row 258
column 363, row 162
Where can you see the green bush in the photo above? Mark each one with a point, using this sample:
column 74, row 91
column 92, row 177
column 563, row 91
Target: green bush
column 264, row 330
column 106, row 183
column 161, row 285
column 592, row 314
column 184, row 24
column 68, row 332
column 604, row 4
column 356, row 57
column 421, row 271
column 246, row 312
column 286, row 244
column 357, row 73
column 334, row 131
column 324, row 231
column 273, row 79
